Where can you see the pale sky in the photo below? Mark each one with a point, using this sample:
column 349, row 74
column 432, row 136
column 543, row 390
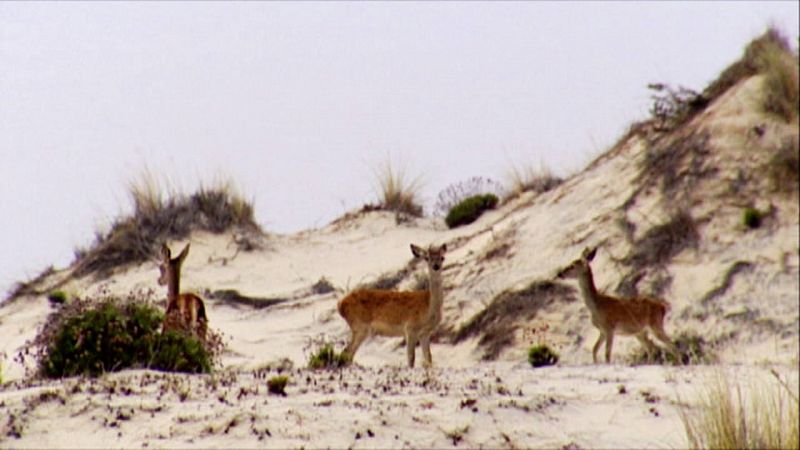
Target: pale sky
column 298, row 103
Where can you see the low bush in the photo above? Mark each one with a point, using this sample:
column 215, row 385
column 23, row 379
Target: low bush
column 277, row 385
column 57, row 297
column 470, row 209
column 326, row 358
column 541, row 355
column 91, row 338
column 458, row 192
column 752, row 218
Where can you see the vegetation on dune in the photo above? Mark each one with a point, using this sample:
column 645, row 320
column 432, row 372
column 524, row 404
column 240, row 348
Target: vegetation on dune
column 528, row 179
column 470, row 209
column 692, row 349
column 277, row 385
column 541, row 355
column 325, row 357
column 94, row 336
column 456, row 193
column 761, row 415
column 137, row 238
column 397, row 193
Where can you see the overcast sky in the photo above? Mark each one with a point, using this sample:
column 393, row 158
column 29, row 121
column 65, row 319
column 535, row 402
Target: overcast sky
column 298, row 103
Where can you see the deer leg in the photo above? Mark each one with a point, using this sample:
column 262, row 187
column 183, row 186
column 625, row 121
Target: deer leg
column 662, row 336
column 597, row 346
column 425, row 342
column 609, row 344
column 650, row 347
column 357, row 337
column 411, row 343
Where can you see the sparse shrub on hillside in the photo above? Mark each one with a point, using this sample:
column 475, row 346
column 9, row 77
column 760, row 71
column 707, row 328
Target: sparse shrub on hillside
column 397, row 193
column 528, row 179
column 90, row 338
column 458, row 192
column 541, row 355
column 759, row 415
column 470, row 209
column 752, row 217
column 692, row 348
column 277, row 385
column 137, row 238
column 673, row 107
column 783, row 167
column 325, row 357
column 781, row 90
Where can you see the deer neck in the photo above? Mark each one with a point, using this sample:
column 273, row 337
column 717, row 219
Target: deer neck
column 173, row 285
column 436, row 295
column 588, row 289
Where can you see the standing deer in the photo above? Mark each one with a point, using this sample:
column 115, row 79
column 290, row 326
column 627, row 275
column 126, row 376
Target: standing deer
column 413, row 314
column 185, row 312
column 628, row 316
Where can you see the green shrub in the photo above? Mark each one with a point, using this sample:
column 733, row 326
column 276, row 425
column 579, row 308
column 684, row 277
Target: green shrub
column 57, row 297
column 752, row 218
column 541, row 355
column 277, row 385
column 327, row 358
column 91, row 338
column 470, row 209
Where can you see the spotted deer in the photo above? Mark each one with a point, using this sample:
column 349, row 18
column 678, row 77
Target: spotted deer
column 412, row 314
column 625, row 316
column 185, row 312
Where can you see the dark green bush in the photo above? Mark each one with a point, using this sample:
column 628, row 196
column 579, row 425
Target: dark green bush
column 469, row 209
column 57, row 297
column 91, row 338
column 541, row 355
column 277, row 385
column 327, row 358
column 752, row 218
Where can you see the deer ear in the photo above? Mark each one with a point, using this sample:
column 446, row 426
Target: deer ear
column 589, row 254
column 417, row 251
column 443, row 248
column 165, row 253
column 183, row 254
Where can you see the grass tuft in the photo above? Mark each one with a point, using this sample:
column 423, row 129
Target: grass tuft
column 277, row 385
column 397, row 192
column 764, row 415
column 326, row 357
column 528, row 179
column 156, row 219
column 542, row 355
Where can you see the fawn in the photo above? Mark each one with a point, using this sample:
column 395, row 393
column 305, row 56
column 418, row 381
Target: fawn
column 185, row 312
column 629, row 316
column 413, row 314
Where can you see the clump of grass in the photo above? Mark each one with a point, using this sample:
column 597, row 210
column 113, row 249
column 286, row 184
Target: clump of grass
column 468, row 210
column 156, row 219
column 673, row 107
column 528, row 179
column 542, row 355
column 90, row 338
column 753, row 61
column 397, row 192
column 763, row 416
column 277, row 385
column 326, row 357
column 751, row 217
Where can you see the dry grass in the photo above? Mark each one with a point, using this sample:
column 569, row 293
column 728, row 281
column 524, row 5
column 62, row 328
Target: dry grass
column 526, row 178
column 159, row 215
column 398, row 193
column 783, row 167
column 765, row 415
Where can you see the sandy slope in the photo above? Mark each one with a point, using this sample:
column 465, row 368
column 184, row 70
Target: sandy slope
column 751, row 315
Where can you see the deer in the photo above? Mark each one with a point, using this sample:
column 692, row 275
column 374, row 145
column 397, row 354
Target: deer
column 625, row 316
column 412, row 314
column 185, row 312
